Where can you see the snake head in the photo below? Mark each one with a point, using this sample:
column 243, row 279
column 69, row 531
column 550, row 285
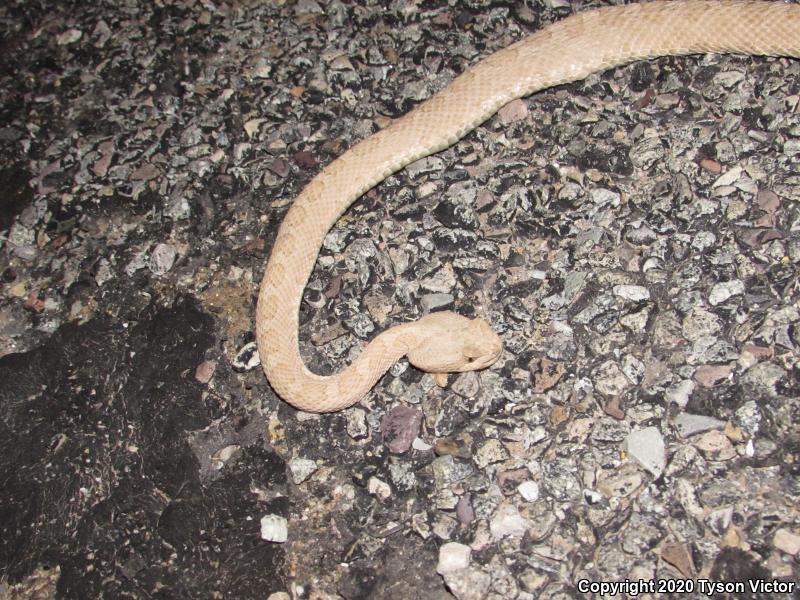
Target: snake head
column 446, row 342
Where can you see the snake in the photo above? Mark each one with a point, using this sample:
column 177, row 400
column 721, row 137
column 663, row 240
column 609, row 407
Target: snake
column 565, row 51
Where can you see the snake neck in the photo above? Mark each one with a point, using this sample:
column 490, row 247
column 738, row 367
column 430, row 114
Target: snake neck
column 278, row 346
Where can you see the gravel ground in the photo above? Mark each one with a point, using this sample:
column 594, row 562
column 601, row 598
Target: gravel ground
column 633, row 237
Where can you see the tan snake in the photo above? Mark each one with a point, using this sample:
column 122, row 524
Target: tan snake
column 565, row 51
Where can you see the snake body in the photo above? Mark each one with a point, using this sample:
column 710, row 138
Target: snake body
column 565, row 51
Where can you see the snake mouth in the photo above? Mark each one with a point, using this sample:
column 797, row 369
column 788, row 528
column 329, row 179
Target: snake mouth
column 476, row 363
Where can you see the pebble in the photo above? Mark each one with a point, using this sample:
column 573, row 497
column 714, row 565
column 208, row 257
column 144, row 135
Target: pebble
column 453, row 557
column 162, row 258
column 604, row 197
column 679, row 557
column 223, row 455
column 715, row 445
column 646, row 447
column 400, row 427
column 464, row 511
column 752, row 354
column 459, row 446
column 70, row 36
column 700, row 322
column 647, row 151
column 491, row 451
column 592, row 496
column 438, row 301
column 22, row 239
column 610, row 380
column 641, row 235
column 516, row 110
column 787, row 541
column 710, row 375
column 179, row 209
column 688, row 424
column 545, row 374
column 247, row 358
column 686, row 494
column 421, row 445
column 764, row 377
column 748, row 416
column 613, row 408
column 441, row 282
column 721, row 292
column 610, row 430
column 403, row 476
column 467, row 385
column 446, row 470
column 529, row 490
column 728, row 178
column 619, row 483
column 428, row 164
column 634, row 293
column 302, row 469
column 703, row 240
column 636, row 321
column 507, row 521
column 274, row 528
column 454, row 215
column 680, row 393
column 360, row 324
column 356, row 423
column 720, row 519
column 379, row 488
column 471, row 583
column 205, row 371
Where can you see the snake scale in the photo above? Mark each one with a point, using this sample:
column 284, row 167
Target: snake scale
column 562, row 52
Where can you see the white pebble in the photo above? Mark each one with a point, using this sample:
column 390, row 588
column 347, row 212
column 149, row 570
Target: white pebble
column 750, row 449
column 420, row 444
column 379, row 488
column 529, row 490
column 634, row 293
column 274, row 528
column 722, row 291
column 453, row 557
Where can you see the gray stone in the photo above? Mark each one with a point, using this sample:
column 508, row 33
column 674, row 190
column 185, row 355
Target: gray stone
column 646, row 447
column 688, row 424
column 471, row 583
column 302, row 469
